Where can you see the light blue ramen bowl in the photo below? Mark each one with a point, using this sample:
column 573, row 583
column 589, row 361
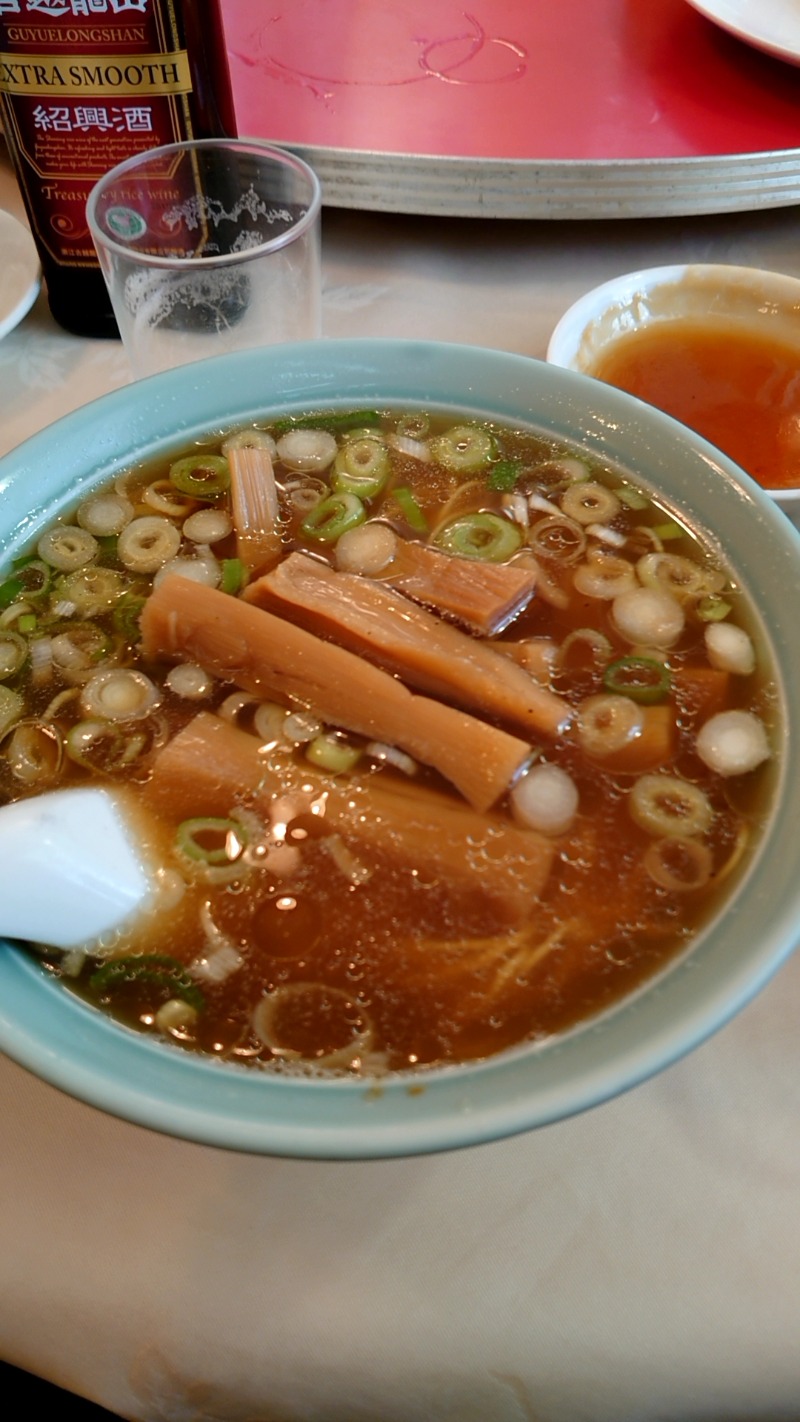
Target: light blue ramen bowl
column 56, row 1036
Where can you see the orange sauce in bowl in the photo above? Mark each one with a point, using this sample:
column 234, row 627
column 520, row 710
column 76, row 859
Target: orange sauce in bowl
column 736, row 386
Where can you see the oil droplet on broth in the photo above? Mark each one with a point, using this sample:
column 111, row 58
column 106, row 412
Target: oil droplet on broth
column 287, row 926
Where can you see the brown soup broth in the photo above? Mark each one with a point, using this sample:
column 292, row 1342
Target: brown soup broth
column 735, row 384
column 370, row 961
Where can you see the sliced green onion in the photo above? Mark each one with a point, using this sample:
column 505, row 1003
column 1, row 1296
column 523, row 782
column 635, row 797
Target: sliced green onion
column 10, row 616
column 682, row 577
column 126, row 616
column 583, row 647
column 162, row 496
column 608, row 724
column 189, row 681
column 504, row 475
column 413, row 426
column 108, row 544
column 552, row 477
column 330, row 752
column 119, row 694
column 252, row 438
column 668, row 531
column 410, row 509
column 11, row 589
column 12, row 706
column 643, row 679
column 464, row 449
column 147, row 542
column 603, row 575
column 361, row 467
column 211, row 839
column 363, row 432
column 78, row 646
column 27, row 623
column 485, row 536
column 331, row 517
column 153, row 969
column 333, row 422
column 91, row 589
column 13, row 651
column 558, row 538
column 65, row 547
column 106, row 747
column 32, row 576
column 678, row 863
column 202, row 476
column 632, row 498
column 589, row 502
column 234, row 575
column 712, row 608
column 34, row 752
column 666, row 806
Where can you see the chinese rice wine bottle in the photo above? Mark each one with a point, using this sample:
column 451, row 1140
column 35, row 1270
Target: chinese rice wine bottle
column 85, row 84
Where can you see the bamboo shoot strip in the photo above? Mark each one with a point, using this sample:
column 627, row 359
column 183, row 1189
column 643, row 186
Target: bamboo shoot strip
column 211, row 766
column 269, row 656
column 429, row 654
column 254, row 506
column 486, row 597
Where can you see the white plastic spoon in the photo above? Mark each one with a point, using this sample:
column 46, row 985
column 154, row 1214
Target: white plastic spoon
column 71, row 867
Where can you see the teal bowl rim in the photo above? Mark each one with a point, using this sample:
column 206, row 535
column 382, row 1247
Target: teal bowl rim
column 73, row 1047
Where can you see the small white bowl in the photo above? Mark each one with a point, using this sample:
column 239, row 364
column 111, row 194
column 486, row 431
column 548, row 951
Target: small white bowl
column 761, row 299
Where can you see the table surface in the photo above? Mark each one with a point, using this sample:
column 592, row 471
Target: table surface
column 639, row 1263
column 584, row 108
column 588, row 80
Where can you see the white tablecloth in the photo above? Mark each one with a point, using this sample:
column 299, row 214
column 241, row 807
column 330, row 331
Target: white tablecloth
column 640, row 1263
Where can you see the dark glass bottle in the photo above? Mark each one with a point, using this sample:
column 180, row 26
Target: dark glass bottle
column 85, row 84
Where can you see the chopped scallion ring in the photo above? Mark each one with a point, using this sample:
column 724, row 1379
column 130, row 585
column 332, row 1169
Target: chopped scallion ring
column 329, row 751
column 485, row 536
column 589, row 502
column 333, row 422
column 234, row 575
column 202, row 476
column 211, row 839
column 503, row 475
column 669, row 807
column 331, row 517
column 464, row 449
column 643, row 679
column 410, row 509
column 13, row 651
column 361, row 467
column 66, row 547
column 156, row 969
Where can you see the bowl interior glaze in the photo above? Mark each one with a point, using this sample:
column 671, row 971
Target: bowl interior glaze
column 57, row 1037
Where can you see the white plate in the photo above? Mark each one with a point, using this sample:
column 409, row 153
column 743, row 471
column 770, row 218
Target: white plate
column 20, row 272
column 771, row 25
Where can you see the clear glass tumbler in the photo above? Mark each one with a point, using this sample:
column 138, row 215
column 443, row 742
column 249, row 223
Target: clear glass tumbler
column 209, row 247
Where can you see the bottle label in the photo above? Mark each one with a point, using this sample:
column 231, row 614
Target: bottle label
column 85, row 84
